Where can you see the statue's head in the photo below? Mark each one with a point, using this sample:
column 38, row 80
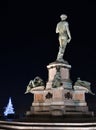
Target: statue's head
column 63, row 16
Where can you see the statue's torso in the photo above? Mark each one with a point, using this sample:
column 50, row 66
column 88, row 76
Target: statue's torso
column 61, row 27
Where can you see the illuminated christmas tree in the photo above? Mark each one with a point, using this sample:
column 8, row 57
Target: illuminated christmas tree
column 9, row 109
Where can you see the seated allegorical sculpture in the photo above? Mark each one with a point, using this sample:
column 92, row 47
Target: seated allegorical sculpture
column 36, row 84
column 84, row 84
column 57, row 82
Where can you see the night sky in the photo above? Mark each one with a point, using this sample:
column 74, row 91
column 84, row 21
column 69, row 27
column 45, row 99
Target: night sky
column 28, row 43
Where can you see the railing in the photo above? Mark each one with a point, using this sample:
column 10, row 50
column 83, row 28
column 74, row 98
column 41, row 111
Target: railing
column 11, row 125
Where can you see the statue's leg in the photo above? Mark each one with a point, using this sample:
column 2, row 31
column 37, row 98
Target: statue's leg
column 61, row 50
column 60, row 54
column 61, row 41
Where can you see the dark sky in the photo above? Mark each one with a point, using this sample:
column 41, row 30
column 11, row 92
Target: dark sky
column 28, row 43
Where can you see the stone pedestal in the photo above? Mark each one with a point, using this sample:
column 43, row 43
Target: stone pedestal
column 60, row 100
column 64, row 71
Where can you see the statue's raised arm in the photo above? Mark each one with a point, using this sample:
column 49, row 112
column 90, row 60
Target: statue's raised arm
column 64, row 36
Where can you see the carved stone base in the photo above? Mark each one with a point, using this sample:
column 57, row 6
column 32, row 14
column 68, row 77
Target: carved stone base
column 59, row 100
column 64, row 73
